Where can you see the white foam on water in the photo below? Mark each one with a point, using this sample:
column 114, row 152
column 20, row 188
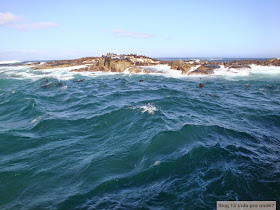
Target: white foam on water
column 150, row 108
column 126, row 71
column 156, row 163
column 23, row 72
column 38, row 118
column 97, row 73
column 274, row 70
column 163, row 70
column 65, row 73
column 223, row 71
column 254, row 70
column 33, row 121
column 64, row 87
column 13, row 68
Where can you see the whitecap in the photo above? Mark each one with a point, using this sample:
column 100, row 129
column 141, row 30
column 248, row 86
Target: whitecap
column 132, row 107
column 64, row 87
column 66, row 73
column 157, row 163
column 38, row 118
column 150, row 108
column 226, row 72
column 274, row 70
column 23, row 72
column 245, row 72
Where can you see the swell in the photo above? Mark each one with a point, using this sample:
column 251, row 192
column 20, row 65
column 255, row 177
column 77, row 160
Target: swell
column 115, row 143
column 183, row 155
column 208, row 172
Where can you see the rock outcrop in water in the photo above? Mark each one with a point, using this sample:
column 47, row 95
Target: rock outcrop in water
column 136, row 64
column 135, row 69
column 66, row 63
column 239, row 64
column 184, row 66
column 113, row 65
column 119, row 63
column 110, row 62
column 204, row 70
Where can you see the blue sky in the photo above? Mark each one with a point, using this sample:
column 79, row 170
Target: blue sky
column 34, row 30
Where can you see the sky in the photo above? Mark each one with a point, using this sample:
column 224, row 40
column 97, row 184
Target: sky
column 65, row 29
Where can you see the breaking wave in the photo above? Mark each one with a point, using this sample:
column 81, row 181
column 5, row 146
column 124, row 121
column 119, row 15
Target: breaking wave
column 110, row 141
column 66, row 73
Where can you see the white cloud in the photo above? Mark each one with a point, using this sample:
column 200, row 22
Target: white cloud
column 132, row 34
column 39, row 25
column 8, row 18
column 14, row 21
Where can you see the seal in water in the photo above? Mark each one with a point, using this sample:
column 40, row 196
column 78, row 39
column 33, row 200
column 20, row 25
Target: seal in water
column 200, row 85
column 46, row 86
column 212, row 95
column 80, row 80
column 141, row 80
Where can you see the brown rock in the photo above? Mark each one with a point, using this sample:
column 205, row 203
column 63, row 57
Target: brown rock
column 205, row 62
column 66, row 63
column 120, row 65
column 204, row 70
column 82, row 69
column 145, row 64
column 237, row 65
column 245, row 63
column 114, row 65
column 181, row 65
column 135, row 69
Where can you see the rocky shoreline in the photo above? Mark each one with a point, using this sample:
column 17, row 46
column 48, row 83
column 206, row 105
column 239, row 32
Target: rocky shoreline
column 134, row 64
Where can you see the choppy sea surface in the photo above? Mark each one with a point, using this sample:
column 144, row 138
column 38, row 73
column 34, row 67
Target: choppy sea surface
column 114, row 142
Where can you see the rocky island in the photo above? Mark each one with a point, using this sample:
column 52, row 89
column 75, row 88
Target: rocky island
column 133, row 63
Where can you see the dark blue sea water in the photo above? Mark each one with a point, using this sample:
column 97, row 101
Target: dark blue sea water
column 114, row 142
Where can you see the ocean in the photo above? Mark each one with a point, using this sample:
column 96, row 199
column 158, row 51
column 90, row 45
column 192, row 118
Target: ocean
column 113, row 142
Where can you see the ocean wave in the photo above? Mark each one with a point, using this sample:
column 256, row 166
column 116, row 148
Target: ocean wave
column 215, row 169
column 149, row 108
column 114, row 142
column 246, row 72
column 66, row 73
column 226, row 72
